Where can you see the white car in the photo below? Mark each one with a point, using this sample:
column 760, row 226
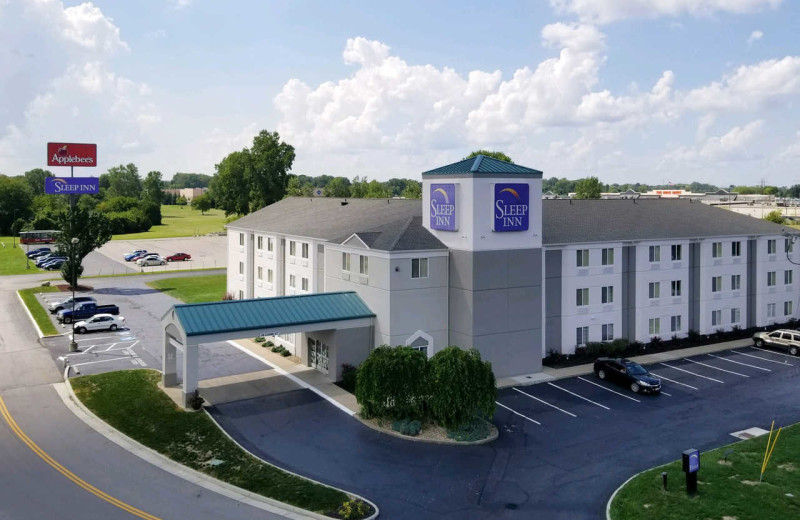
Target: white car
column 151, row 260
column 100, row 322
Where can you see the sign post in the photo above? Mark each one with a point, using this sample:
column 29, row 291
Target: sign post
column 691, row 465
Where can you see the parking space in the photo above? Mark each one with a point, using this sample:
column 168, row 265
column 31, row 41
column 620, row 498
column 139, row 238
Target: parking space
column 206, row 252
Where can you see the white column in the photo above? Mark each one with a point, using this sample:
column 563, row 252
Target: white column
column 190, row 371
column 169, row 365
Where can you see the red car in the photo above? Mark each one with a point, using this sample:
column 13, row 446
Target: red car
column 179, row 256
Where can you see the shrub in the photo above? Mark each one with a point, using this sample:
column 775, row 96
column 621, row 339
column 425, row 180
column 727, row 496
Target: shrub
column 228, row 296
column 259, row 339
column 462, row 385
column 392, row 383
column 655, row 342
column 269, row 344
column 196, row 400
column 285, row 353
column 407, row 427
column 354, row 509
column 473, row 430
column 349, row 375
column 693, row 336
column 278, row 349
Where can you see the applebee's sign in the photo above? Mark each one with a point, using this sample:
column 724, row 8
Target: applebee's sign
column 71, row 154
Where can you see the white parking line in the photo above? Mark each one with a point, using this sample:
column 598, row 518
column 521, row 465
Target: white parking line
column 715, row 368
column 545, row 402
column 784, row 363
column 740, row 363
column 517, row 413
column 673, row 381
column 772, row 352
column 93, row 338
column 608, row 389
column 579, row 396
column 693, row 373
column 103, row 361
column 664, row 393
column 109, row 348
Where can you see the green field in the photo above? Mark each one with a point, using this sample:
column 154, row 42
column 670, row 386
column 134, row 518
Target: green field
column 725, row 489
column 12, row 259
column 39, row 313
column 181, row 221
column 193, row 289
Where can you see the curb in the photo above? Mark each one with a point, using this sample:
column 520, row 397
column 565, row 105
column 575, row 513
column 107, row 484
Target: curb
column 387, row 431
column 611, row 499
column 71, row 401
column 28, row 312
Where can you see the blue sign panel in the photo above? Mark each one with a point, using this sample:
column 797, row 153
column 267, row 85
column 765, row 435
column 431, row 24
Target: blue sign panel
column 443, row 207
column 70, row 185
column 694, row 461
column 511, row 207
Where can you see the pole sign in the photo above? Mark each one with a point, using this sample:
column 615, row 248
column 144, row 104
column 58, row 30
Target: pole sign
column 511, row 207
column 71, row 185
column 443, row 207
column 71, row 154
column 691, row 461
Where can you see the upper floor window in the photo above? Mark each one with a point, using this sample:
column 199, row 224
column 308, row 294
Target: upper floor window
column 771, row 246
column 736, row 249
column 716, row 283
column 677, row 252
column 304, row 250
column 269, row 275
column 582, row 297
column 292, row 248
column 787, row 246
column 345, row 261
column 607, row 294
column 241, row 267
column 419, row 268
column 292, row 280
column 608, row 256
column 582, row 258
column 304, row 284
column 270, row 244
column 676, row 287
column 363, row 265
column 260, row 243
column 654, row 290
column 260, row 275
column 655, row 253
column 771, row 278
column 716, row 249
column 241, row 239
column 787, row 277
column 736, row 282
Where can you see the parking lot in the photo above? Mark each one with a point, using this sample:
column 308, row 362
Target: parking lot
column 206, row 252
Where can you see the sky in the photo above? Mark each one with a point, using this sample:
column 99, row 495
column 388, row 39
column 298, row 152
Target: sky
column 651, row 91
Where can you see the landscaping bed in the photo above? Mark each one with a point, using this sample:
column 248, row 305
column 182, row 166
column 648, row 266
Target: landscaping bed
column 131, row 402
column 39, row 313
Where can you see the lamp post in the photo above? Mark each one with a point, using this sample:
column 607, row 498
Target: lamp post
column 13, row 236
column 73, row 345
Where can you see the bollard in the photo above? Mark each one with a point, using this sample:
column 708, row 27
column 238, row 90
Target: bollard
column 664, row 479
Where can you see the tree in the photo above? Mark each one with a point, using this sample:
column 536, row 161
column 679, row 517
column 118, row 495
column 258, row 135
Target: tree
column 338, row 187
column 460, row 385
column 15, row 201
column 123, row 181
column 35, row 179
column 358, row 188
column 229, row 185
column 392, row 383
column 190, row 180
column 270, row 161
column 775, row 216
column 152, row 188
column 181, row 201
column 377, row 190
column 588, row 188
column 203, row 203
column 413, row 190
column 493, row 154
column 91, row 228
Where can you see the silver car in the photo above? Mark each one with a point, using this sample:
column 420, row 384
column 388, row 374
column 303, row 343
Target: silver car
column 788, row 340
column 151, row 260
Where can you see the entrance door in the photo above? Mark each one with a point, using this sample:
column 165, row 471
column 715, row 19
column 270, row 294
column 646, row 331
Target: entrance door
column 318, row 355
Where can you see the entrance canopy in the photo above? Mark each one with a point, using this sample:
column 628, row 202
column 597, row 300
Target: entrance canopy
column 187, row 325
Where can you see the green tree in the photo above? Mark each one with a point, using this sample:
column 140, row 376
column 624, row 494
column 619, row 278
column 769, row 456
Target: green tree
column 377, row 190
column 270, row 162
column 35, row 179
column 153, row 188
column 91, row 228
column 413, row 190
column 123, row 181
column 190, row 180
column 489, row 153
column 358, row 188
column 15, row 201
column 461, row 385
column 775, row 216
column 181, row 201
column 392, row 383
column 203, row 203
column 229, row 185
column 338, row 187
column 588, row 188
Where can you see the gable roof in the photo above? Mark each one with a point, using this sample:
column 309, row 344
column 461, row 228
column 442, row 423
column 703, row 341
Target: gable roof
column 481, row 164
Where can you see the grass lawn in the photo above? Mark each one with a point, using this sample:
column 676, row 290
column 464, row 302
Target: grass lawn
column 724, row 489
column 40, row 314
column 12, row 259
column 131, row 402
column 193, row 289
column 181, row 221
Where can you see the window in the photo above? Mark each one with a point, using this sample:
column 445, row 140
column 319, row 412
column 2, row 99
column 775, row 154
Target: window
column 582, row 258
column 771, row 278
column 304, row 250
column 655, row 326
column 241, row 239
column 676, row 287
column 241, row 294
column 608, row 256
column 716, row 283
column 677, row 253
column 260, row 275
column 292, row 280
column 292, row 248
column 608, row 332
column 716, row 318
column 787, row 308
column 655, row 253
column 363, row 265
column 716, row 249
column 736, row 282
column 241, row 267
column 655, row 290
column 675, row 323
column 607, row 294
column 771, row 247
column 269, row 275
column 419, row 268
column 787, row 277
column 260, row 243
column 582, row 297
column 270, row 244
column 736, row 249
column 736, row 315
column 345, row 261
column 770, row 310
column 787, row 245
column 304, row 284
column 582, row 336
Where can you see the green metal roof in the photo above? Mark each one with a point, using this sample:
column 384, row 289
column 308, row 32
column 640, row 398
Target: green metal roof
column 270, row 313
column 481, row 164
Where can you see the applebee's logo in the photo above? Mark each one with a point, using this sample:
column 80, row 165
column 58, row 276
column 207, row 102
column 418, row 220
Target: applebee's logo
column 63, row 157
column 62, row 152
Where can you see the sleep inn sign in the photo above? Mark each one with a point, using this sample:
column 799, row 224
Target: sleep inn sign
column 443, row 207
column 511, row 207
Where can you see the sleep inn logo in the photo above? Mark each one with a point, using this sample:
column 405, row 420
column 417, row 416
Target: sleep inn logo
column 443, row 207
column 511, row 207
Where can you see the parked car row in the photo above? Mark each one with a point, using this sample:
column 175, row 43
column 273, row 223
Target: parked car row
column 87, row 315
column 144, row 258
column 84, row 310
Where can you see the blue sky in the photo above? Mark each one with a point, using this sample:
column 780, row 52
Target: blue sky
column 627, row 90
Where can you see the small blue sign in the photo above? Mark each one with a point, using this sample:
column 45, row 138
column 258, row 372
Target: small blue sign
column 511, row 207
column 694, row 461
column 71, row 185
column 443, row 207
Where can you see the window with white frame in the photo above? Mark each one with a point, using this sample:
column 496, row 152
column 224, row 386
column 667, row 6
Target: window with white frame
column 419, row 268
column 787, row 308
column 607, row 294
column 736, row 248
column 304, row 250
column 241, row 267
column 787, row 277
column 241, row 294
column 654, row 290
column 260, row 274
column 304, row 283
column 582, row 258
column 292, row 280
column 787, row 245
column 607, row 256
column 582, row 297
column 771, row 310
column 608, row 332
column 716, row 249
column 654, row 326
column 676, row 287
column 772, row 278
column 269, row 275
column 675, row 323
column 771, row 247
column 241, row 239
column 716, row 283
column 259, row 243
column 736, row 282
column 292, row 248
column 363, row 265
column 581, row 336
column 346, row 262
column 736, row 315
column 655, row 253
column 716, row 318
column 270, row 244
column 677, row 252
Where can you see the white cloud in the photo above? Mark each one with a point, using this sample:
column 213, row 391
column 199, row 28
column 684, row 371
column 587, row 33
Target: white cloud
column 607, row 11
column 733, row 145
column 755, row 35
column 791, row 151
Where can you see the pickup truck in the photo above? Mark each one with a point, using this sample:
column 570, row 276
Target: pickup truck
column 54, row 307
column 84, row 311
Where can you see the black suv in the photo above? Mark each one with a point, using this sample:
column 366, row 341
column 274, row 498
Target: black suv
column 627, row 373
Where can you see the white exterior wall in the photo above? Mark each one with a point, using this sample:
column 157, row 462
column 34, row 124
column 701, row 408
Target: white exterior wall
column 726, row 299
column 781, row 292
column 665, row 306
column 268, row 260
column 594, row 277
column 236, row 253
column 300, row 267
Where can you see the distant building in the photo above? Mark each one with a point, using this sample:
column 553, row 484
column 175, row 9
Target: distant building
column 188, row 193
